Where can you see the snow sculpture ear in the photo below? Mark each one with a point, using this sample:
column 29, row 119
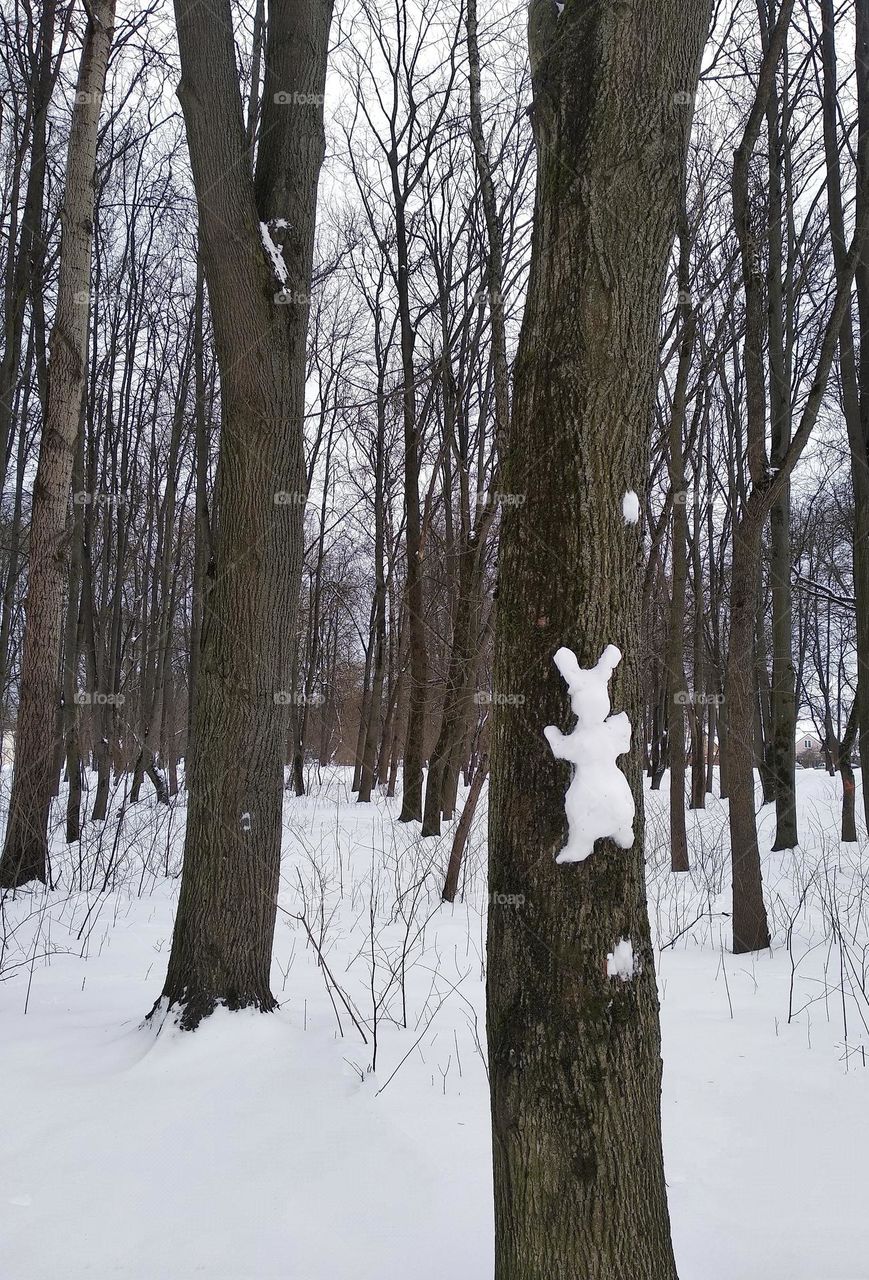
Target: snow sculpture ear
column 574, row 676
column 565, row 660
column 609, row 660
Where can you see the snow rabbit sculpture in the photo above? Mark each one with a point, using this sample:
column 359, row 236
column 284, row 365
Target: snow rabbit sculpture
column 599, row 802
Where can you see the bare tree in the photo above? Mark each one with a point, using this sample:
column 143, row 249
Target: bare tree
column 574, row 1054
column 26, row 846
column 259, row 279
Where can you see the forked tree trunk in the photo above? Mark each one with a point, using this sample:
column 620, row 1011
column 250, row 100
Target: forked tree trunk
column 574, row 1054
column 463, row 830
column 221, row 946
column 750, row 928
column 442, row 780
column 762, row 703
column 25, row 849
column 454, row 717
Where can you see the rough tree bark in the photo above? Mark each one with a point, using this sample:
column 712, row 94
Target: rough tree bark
column 25, row 849
column 574, row 1055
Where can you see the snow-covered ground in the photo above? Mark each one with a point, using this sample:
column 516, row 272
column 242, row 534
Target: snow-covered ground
column 265, row 1148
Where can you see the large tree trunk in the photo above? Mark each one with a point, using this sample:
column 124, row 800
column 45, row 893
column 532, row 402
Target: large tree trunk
column 574, row 1054
column 414, row 742
column 702, row 709
column 860, row 448
column 28, row 259
column 221, row 947
column 71, row 714
column 783, row 703
column 377, row 646
column 13, row 568
column 463, row 830
column 202, row 527
column 750, row 928
column 26, row 847
column 763, row 754
column 855, row 388
column 155, row 687
column 677, row 689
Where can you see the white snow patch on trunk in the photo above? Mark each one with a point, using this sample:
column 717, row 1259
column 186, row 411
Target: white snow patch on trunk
column 272, row 251
column 599, row 803
column 621, row 961
column 631, row 507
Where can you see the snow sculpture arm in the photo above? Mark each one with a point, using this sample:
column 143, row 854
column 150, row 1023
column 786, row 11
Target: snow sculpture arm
column 557, row 741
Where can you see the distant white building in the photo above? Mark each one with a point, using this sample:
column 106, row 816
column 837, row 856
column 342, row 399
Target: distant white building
column 809, row 753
